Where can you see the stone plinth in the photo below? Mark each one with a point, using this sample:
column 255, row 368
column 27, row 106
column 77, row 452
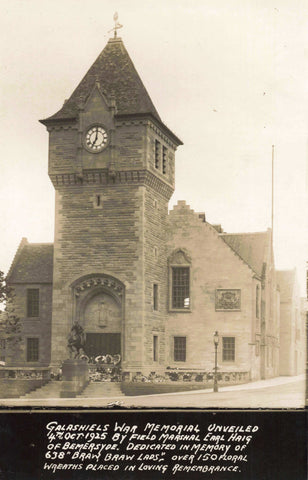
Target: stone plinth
column 75, row 376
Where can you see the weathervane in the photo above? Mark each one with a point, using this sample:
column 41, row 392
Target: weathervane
column 117, row 25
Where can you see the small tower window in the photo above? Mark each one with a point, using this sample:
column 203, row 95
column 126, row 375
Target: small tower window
column 155, row 252
column 157, row 153
column 97, row 200
column 164, row 159
column 155, row 348
column 155, row 296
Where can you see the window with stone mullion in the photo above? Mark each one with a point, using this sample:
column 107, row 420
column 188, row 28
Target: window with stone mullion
column 32, row 349
column 179, row 349
column 180, row 287
column 33, row 302
column 228, row 352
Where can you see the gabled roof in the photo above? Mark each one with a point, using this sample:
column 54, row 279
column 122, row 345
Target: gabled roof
column 117, row 76
column 251, row 247
column 33, row 263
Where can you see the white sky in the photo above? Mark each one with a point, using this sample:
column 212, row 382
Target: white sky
column 228, row 77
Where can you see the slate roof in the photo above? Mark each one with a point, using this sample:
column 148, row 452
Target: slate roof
column 116, row 74
column 33, row 263
column 251, row 247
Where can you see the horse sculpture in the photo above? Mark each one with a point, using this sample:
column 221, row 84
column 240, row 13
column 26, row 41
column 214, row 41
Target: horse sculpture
column 76, row 340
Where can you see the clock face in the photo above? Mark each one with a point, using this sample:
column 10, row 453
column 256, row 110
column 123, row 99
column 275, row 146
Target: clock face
column 96, row 139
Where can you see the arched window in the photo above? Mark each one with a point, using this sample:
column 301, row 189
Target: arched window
column 180, row 284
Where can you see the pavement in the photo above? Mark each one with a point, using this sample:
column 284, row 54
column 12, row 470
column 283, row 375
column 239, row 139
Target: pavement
column 278, row 392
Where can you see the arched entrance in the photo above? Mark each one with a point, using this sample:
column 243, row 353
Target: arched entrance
column 99, row 308
column 102, row 320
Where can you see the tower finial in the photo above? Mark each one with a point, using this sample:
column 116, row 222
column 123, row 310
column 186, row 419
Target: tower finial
column 117, row 25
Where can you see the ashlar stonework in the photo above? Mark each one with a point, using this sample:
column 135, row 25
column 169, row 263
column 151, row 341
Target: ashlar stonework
column 147, row 285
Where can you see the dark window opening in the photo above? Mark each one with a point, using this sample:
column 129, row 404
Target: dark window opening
column 102, row 344
column 164, row 159
column 180, row 287
column 228, row 349
column 2, row 349
column 33, row 302
column 98, row 200
column 180, row 349
column 155, row 348
column 32, row 349
column 155, row 296
column 157, row 154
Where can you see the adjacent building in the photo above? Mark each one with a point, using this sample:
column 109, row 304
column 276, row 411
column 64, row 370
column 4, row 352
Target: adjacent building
column 292, row 325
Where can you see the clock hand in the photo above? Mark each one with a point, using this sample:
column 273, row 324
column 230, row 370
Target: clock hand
column 95, row 137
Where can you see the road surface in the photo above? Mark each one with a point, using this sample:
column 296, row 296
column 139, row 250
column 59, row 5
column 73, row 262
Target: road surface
column 281, row 392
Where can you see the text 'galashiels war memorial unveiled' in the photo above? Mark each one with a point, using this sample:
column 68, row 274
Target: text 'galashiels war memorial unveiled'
column 129, row 296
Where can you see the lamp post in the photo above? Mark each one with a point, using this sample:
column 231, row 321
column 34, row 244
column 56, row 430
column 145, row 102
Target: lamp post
column 216, row 341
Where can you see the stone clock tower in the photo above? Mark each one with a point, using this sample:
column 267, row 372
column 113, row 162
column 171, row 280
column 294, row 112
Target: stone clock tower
column 111, row 161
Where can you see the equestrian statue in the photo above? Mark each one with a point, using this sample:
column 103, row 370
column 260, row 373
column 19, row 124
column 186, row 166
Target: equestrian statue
column 76, row 340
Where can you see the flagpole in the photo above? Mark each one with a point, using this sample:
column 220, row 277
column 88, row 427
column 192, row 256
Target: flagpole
column 273, row 148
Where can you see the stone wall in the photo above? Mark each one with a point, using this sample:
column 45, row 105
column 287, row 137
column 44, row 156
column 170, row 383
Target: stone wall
column 38, row 327
column 214, row 266
column 98, row 241
column 122, row 235
column 16, row 382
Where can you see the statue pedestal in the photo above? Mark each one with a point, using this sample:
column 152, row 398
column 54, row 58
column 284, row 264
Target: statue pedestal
column 75, row 376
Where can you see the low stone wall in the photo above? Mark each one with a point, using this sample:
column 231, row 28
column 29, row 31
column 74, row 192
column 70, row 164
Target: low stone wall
column 182, row 382
column 16, row 382
column 142, row 388
column 205, row 378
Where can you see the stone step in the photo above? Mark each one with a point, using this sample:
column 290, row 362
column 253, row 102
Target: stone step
column 93, row 390
column 102, row 389
column 50, row 390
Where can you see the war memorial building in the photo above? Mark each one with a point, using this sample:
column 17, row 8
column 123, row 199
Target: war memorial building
column 145, row 284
